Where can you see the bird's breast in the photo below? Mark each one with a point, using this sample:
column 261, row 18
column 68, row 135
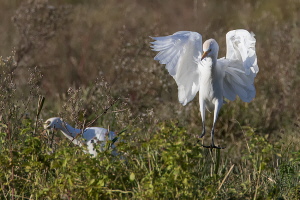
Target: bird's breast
column 210, row 85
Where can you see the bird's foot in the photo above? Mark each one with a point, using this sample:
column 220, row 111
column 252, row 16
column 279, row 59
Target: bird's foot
column 203, row 133
column 212, row 146
column 201, row 136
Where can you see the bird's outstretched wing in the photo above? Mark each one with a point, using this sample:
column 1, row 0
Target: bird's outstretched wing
column 240, row 65
column 178, row 52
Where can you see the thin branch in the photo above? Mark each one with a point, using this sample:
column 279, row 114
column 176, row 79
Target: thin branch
column 104, row 112
column 38, row 111
column 224, row 179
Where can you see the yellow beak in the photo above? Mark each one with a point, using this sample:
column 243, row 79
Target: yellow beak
column 204, row 55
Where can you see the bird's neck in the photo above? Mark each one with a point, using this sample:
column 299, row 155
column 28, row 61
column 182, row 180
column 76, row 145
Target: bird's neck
column 209, row 69
column 214, row 61
column 71, row 133
column 69, row 130
column 210, row 63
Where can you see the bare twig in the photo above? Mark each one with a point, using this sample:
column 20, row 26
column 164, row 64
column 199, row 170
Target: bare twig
column 38, row 111
column 224, row 179
column 121, row 191
column 244, row 135
column 104, row 112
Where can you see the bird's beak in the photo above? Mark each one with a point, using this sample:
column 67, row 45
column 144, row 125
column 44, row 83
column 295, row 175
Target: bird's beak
column 204, row 55
column 46, row 125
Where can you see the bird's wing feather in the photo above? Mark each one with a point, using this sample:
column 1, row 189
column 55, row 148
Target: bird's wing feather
column 240, row 65
column 178, row 52
column 241, row 46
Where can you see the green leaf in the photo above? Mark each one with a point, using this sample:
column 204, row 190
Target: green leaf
column 132, row 176
column 92, row 182
column 100, row 183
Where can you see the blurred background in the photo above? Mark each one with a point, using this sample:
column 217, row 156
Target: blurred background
column 68, row 47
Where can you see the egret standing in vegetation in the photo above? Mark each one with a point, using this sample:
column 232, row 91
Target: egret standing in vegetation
column 90, row 136
column 197, row 69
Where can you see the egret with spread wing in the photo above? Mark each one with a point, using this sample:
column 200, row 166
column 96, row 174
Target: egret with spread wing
column 196, row 69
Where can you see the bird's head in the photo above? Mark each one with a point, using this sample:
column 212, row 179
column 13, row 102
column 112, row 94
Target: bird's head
column 54, row 122
column 210, row 49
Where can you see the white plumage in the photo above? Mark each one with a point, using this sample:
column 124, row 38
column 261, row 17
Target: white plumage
column 198, row 69
column 90, row 136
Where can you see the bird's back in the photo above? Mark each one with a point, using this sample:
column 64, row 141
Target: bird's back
column 98, row 133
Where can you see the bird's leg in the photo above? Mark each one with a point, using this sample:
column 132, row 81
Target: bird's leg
column 203, row 130
column 218, row 106
column 202, row 112
column 213, row 146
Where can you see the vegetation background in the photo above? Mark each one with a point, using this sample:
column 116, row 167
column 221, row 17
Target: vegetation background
column 84, row 56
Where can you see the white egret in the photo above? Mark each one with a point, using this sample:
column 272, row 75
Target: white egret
column 90, row 135
column 195, row 69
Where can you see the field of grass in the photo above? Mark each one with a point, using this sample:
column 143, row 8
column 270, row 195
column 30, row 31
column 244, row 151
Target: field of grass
column 76, row 59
